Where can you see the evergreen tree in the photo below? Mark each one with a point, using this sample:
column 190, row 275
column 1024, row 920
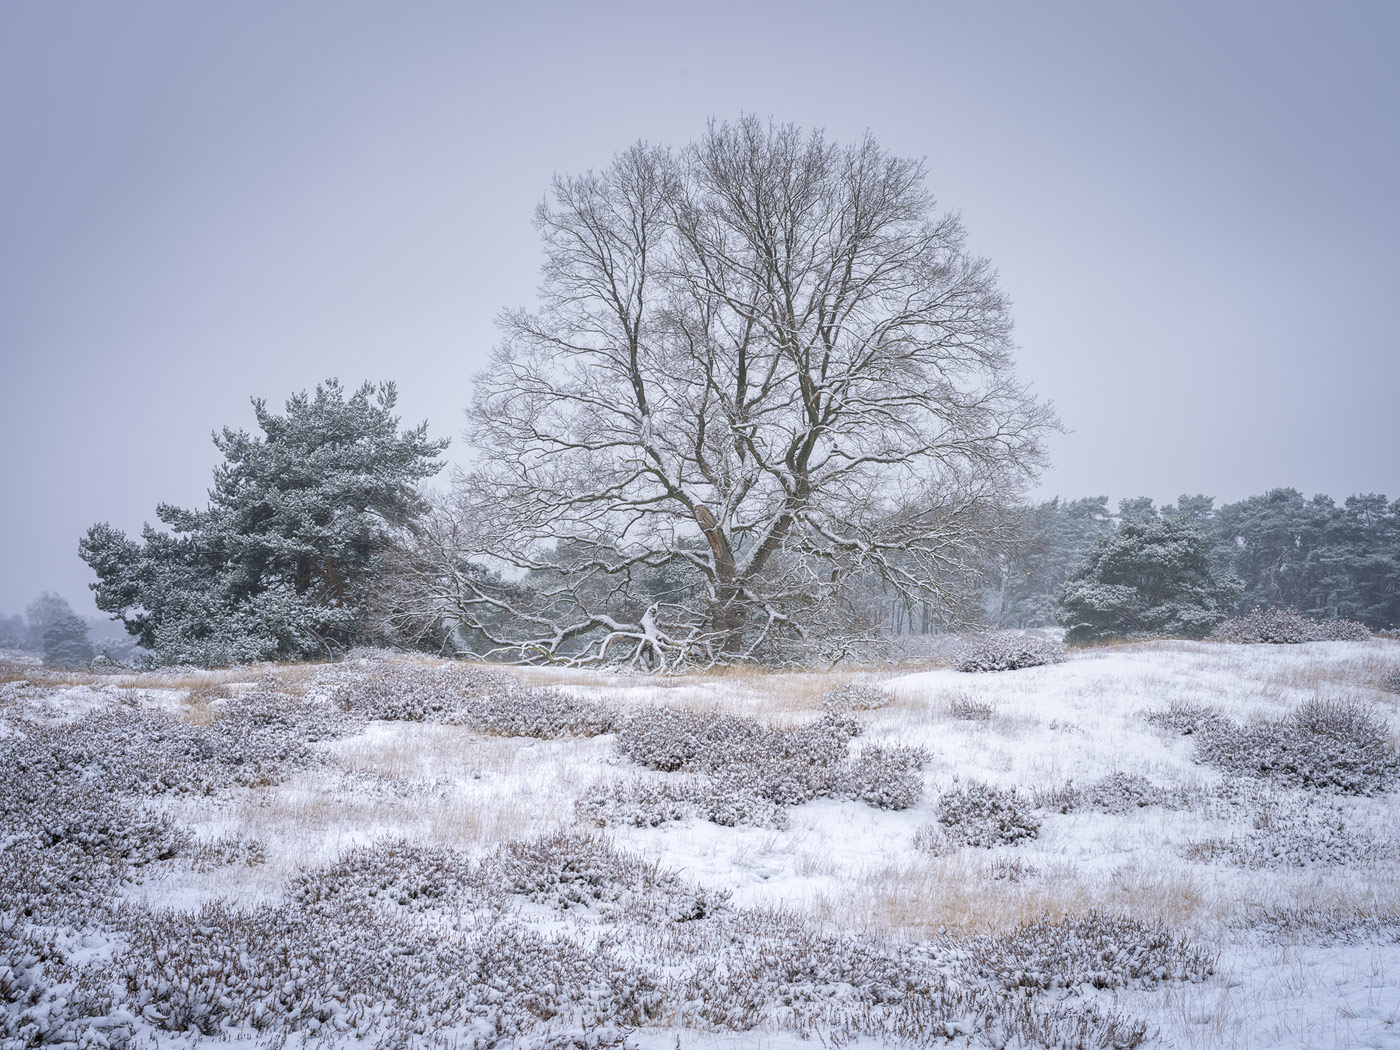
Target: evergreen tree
column 1152, row 577
column 66, row 642
column 282, row 561
column 1054, row 538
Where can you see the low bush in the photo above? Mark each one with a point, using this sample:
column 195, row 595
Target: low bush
column 390, row 875
column 1094, row 950
column 1296, row 833
column 1287, row 627
column 406, row 692
column 1117, row 793
column 983, row 816
column 854, row 697
column 1188, row 719
column 969, row 709
column 1323, row 745
column 545, row 714
column 569, row 870
column 1008, row 652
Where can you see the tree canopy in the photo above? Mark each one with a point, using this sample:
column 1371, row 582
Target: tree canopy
column 282, row 560
column 764, row 371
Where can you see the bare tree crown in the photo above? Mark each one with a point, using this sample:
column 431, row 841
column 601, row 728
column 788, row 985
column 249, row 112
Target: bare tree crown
column 763, row 372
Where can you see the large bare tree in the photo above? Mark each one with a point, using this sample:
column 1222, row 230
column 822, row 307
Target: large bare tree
column 764, row 374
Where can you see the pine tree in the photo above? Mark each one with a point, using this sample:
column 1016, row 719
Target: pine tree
column 282, row 561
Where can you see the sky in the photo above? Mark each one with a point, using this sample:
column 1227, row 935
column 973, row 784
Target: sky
column 1193, row 207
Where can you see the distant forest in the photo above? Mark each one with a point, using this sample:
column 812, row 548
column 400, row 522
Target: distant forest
column 1325, row 559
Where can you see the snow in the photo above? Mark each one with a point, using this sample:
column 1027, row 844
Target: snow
column 854, row 867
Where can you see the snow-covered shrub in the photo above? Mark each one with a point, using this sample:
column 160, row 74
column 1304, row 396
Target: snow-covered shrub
column 984, row 816
column 1092, row 950
column 745, row 760
column 1293, row 831
column 226, row 851
column 1326, row 745
column 1287, row 627
column 1187, row 718
column 43, row 1001
column 855, row 697
column 292, row 717
column 1117, row 793
column 1390, row 681
column 647, row 804
column 406, row 692
column 969, row 709
column 885, row 777
column 1008, row 652
column 1010, row 869
column 545, row 714
column 390, row 875
column 569, row 870
column 366, row 979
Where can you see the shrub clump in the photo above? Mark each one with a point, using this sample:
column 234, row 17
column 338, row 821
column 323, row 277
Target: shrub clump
column 1008, row 652
column 1093, row 950
column 982, row 816
column 744, row 759
column 1117, row 793
column 545, row 714
column 1322, row 745
column 569, row 870
column 855, row 697
column 1286, row 627
column 406, row 692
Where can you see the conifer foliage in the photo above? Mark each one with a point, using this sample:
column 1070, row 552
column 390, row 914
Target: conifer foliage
column 281, row 562
column 1153, row 577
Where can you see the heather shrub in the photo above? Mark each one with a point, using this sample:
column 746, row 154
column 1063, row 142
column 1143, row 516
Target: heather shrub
column 885, row 777
column 1288, row 832
column 390, row 875
column 1117, row 793
column 745, row 760
column 545, row 714
column 1287, row 627
column 969, row 709
column 1324, row 745
column 1094, row 950
column 569, row 870
column 406, row 692
column 1188, row 719
column 1390, row 680
column 853, row 697
column 1008, row 652
column 983, row 816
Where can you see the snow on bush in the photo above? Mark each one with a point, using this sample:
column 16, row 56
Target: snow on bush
column 1287, row 627
column 1390, row 681
column 1117, row 793
column 854, row 697
column 1094, row 950
column 885, row 777
column 1322, row 745
column 741, row 758
column 1008, row 652
column 406, row 692
column 1291, row 830
column 483, row 700
column 982, row 816
column 390, row 875
column 570, row 870
column 969, row 709
column 545, row 714
column 1187, row 718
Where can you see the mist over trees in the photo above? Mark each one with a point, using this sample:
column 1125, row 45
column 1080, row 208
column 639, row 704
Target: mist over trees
column 1324, row 559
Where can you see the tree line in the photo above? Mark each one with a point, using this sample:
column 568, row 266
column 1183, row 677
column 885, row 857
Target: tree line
column 1325, row 559
column 766, row 395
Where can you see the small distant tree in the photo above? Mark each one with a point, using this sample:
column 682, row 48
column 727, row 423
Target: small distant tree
column 1154, row 576
column 66, row 642
column 42, row 611
column 283, row 561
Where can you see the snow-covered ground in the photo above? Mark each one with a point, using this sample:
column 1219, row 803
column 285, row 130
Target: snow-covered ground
column 1290, row 891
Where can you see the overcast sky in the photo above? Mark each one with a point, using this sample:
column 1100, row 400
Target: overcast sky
column 1195, row 207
